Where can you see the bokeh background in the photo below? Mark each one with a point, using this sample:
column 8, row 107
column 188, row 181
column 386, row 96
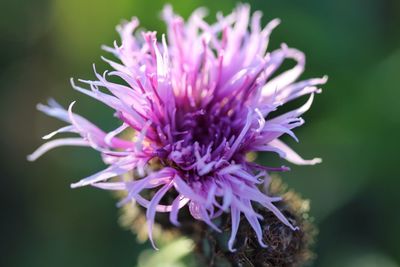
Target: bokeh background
column 354, row 126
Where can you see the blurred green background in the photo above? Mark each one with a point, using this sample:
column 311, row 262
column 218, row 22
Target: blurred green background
column 354, row 126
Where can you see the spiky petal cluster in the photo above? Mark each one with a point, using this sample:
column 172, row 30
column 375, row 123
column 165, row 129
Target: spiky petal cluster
column 199, row 100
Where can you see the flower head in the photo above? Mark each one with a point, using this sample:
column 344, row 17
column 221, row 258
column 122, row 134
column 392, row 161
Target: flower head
column 199, row 100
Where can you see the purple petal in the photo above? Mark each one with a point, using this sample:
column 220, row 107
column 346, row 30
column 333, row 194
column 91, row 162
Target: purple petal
column 235, row 217
column 56, row 143
column 151, row 210
column 292, row 156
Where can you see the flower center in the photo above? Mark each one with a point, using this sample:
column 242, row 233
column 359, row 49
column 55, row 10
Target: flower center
column 201, row 139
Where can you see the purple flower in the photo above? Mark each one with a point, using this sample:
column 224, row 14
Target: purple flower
column 198, row 101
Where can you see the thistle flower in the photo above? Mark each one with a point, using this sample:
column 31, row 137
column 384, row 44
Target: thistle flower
column 199, row 100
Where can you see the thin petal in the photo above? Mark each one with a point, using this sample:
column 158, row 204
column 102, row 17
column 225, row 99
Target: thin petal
column 288, row 76
column 235, row 217
column 173, row 216
column 255, row 224
column 112, row 171
column 57, row 143
column 65, row 129
column 294, row 113
column 292, row 156
column 151, row 210
column 182, row 187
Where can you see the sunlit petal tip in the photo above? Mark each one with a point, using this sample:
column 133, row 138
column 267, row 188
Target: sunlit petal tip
column 76, row 185
column 30, row 157
column 316, row 161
